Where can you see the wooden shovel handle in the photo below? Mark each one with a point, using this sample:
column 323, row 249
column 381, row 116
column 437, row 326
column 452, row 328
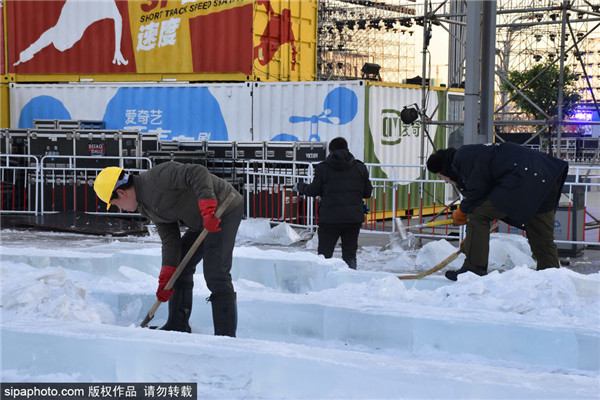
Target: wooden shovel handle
column 185, row 260
column 442, row 264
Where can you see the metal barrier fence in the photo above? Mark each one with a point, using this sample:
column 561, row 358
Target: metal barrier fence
column 18, row 188
column 60, row 183
column 66, row 182
column 268, row 194
column 56, row 183
column 267, row 189
column 413, row 199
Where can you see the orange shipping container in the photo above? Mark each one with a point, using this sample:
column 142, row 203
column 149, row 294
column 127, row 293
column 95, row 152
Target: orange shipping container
column 202, row 40
column 2, row 64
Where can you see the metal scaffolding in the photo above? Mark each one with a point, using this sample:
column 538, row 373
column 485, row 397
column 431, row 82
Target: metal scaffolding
column 565, row 33
column 531, row 32
column 352, row 33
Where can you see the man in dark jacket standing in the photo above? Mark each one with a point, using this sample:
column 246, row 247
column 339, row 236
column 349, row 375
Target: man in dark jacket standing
column 171, row 194
column 342, row 182
column 517, row 185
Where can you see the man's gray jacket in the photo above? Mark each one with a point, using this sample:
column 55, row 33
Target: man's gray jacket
column 168, row 195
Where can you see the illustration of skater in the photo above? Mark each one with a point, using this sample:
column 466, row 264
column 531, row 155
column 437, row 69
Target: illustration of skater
column 75, row 17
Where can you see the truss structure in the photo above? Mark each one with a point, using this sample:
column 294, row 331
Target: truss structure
column 353, row 32
column 563, row 32
column 531, row 32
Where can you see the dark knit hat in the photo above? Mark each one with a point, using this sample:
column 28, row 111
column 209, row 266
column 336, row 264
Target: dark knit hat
column 441, row 162
column 435, row 162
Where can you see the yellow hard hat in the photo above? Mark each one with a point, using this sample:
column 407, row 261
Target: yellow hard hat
column 105, row 183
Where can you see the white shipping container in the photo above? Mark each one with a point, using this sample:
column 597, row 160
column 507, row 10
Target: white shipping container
column 310, row 111
column 186, row 111
column 367, row 115
column 393, row 141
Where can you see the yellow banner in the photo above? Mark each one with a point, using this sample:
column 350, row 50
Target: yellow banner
column 161, row 32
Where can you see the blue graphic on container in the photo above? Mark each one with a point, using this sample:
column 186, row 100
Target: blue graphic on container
column 188, row 112
column 42, row 107
column 339, row 108
column 285, row 137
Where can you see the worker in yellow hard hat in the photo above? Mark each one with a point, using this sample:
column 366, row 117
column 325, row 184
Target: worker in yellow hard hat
column 172, row 194
column 107, row 181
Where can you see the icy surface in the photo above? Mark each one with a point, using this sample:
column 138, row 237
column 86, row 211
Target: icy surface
column 309, row 328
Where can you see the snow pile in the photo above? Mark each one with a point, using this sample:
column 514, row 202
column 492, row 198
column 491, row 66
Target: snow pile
column 49, row 292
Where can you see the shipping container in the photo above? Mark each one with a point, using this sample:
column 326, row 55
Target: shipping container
column 389, row 140
column 184, row 112
column 169, row 40
column 251, row 115
column 310, row 111
column 2, row 46
column 366, row 114
column 4, row 78
column 392, row 139
column 4, row 106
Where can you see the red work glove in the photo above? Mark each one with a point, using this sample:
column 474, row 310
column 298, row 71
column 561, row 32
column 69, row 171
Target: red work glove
column 166, row 273
column 207, row 209
column 459, row 217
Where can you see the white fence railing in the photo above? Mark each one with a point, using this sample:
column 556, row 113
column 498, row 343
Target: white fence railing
column 66, row 182
column 60, row 183
column 18, row 188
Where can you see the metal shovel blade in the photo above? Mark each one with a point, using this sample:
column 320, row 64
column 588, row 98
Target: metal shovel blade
column 400, row 238
column 400, row 228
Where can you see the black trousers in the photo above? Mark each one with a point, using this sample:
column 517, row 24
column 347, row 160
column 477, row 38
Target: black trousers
column 217, row 252
column 330, row 233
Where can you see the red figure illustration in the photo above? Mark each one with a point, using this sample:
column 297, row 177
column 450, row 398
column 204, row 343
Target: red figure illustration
column 75, row 17
column 277, row 32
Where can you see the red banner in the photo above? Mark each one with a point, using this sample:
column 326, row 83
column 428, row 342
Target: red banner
column 243, row 37
column 69, row 37
column 107, row 36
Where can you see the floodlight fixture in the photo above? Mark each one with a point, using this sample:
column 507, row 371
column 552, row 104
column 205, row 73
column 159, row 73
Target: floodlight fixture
column 409, row 114
column 370, row 71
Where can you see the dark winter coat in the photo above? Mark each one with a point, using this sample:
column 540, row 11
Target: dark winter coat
column 514, row 178
column 168, row 194
column 342, row 182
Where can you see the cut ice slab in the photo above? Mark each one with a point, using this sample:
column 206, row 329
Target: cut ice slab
column 435, row 252
column 506, row 252
column 259, row 231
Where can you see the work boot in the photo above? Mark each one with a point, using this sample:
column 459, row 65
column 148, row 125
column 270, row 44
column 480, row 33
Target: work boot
column 453, row 275
column 351, row 263
column 180, row 309
column 224, row 311
column 538, row 268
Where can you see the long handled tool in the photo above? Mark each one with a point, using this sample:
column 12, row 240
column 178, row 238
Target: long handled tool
column 439, row 266
column 429, row 224
column 443, row 263
column 185, row 260
column 406, row 242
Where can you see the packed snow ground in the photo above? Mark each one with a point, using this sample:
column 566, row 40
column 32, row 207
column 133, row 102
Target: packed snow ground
column 309, row 328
